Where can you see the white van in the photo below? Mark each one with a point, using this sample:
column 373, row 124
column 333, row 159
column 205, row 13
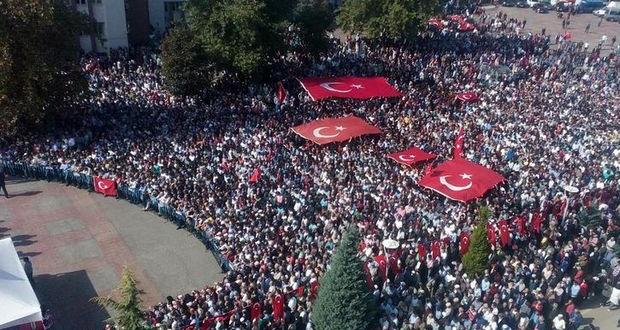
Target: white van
column 531, row 3
column 612, row 11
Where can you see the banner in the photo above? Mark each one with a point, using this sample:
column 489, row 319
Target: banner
column 458, row 145
column 411, row 156
column 104, row 186
column 330, row 130
column 281, row 93
column 464, row 240
column 348, row 87
column 461, row 180
column 468, row 97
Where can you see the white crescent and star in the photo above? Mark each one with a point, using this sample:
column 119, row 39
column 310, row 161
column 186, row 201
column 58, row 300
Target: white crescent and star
column 443, row 181
column 317, row 132
column 329, row 86
column 102, row 185
column 406, row 158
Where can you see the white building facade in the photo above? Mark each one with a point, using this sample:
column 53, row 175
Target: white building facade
column 164, row 12
column 110, row 25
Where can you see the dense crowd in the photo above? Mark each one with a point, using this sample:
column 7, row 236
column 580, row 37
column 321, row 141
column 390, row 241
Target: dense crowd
column 547, row 118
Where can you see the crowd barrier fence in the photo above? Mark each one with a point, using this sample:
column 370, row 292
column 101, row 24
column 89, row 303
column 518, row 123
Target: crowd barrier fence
column 132, row 195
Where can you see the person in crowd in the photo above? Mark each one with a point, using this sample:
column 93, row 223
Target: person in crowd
column 3, row 183
column 28, row 269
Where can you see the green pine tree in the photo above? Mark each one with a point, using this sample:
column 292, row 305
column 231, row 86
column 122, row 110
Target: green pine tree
column 476, row 260
column 344, row 301
column 127, row 308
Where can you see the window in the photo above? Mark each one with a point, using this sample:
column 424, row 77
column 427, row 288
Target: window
column 80, row 2
column 100, row 28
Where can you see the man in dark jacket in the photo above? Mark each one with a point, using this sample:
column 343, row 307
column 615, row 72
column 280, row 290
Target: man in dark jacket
column 2, row 184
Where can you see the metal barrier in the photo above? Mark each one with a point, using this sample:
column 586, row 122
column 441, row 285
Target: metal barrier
column 134, row 195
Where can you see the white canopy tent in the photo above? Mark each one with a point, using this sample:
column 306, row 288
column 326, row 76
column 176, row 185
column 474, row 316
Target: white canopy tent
column 19, row 303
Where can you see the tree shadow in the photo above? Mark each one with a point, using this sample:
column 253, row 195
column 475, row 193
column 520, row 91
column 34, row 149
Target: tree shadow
column 23, row 240
column 67, row 296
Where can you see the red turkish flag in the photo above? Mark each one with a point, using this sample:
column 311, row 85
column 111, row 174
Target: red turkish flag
column 280, row 93
column 537, row 219
column 422, row 251
column 411, row 156
column 466, row 26
column 520, row 223
column 458, row 144
column 348, row 87
column 255, row 175
column 436, row 249
column 314, row 290
column 436, row 22
column 323, row 131
column 468, row 96
column 278, row 307
column 256, row 311
column 464, row 240
column 456, row 18
column 504, row 233
column 461, row 180
column 380, row 259
column 104, row 186
column 491, row 237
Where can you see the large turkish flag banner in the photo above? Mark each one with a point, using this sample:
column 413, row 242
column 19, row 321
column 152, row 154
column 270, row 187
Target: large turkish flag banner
column 348, row 87
column 411, row 156
column 323, row 131
column 468, row 96
column 461, row 180
column 104, row 186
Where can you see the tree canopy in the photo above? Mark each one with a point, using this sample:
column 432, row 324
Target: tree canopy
column 39, row 62
column 393, row 19
column 241, row 39
column 127, row 307
column 344, row 300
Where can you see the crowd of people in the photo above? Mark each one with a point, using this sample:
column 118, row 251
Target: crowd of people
column 547, row 118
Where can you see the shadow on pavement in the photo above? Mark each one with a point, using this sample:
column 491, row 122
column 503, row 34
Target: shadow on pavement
column 23, row 240
column 25, row 193
column 67, row 296
column 16, row 180
column 27, row 254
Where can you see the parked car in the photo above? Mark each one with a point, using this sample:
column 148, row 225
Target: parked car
column 521, row 4
column 600, row 12
column 541, row 8
column 563, row 7
column 589, row 6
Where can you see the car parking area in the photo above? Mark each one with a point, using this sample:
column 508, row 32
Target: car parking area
column 553, row 25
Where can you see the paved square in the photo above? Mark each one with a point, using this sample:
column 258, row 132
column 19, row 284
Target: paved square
column 103, row 279
column 64, row 226
column 81, row 251
column 79, row 243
